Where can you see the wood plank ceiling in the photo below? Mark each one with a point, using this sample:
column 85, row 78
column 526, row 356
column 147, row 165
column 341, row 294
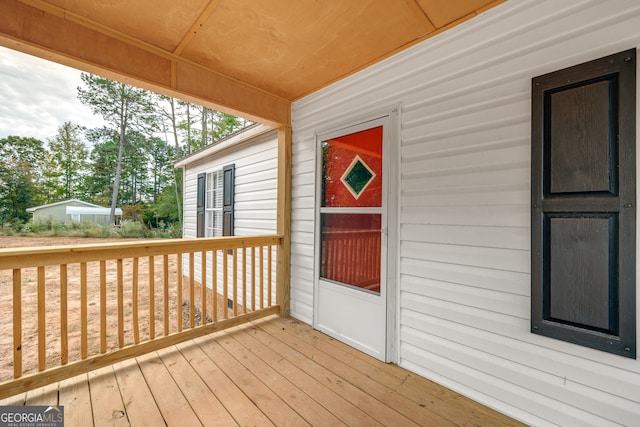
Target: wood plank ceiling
column 243, row 56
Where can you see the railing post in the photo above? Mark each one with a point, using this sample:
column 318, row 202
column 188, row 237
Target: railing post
column 283, row 267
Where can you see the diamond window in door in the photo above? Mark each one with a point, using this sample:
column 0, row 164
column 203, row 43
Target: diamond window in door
column 352, row 170
column 357, row 177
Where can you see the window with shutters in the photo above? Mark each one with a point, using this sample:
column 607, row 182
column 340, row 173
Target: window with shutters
column 583, row 204
column 214, row 203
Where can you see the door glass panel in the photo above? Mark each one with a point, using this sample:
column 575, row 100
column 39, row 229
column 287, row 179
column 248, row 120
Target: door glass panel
column 352, row 170
column 351, row 249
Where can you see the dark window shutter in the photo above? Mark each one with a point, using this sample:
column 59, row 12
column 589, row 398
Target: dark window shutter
column 228, row 197
column 583, row 204
column 200, row 204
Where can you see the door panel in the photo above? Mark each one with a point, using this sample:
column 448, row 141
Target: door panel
column 351, row 217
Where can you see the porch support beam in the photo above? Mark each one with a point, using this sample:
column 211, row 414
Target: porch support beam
column 283, row 266
column 41, row 29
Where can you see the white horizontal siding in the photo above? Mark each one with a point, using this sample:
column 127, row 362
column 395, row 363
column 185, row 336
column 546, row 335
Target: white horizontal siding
column 256, row 185
column 464, row 216
column 255, row 207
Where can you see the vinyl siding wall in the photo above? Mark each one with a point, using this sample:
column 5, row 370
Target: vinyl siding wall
column 464, row 196
column 256, row 191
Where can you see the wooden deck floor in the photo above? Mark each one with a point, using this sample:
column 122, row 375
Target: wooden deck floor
column 271, row 372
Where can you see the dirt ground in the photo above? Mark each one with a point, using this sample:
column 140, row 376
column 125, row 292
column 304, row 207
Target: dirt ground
column 53, row 318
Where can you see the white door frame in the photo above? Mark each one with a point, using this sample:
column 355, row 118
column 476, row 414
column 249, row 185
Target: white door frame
column 390, row 236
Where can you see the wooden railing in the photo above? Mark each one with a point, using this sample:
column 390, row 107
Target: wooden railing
column 78, row 308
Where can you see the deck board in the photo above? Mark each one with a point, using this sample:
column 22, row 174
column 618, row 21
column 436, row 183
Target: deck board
column 74, row 395
column 138, row 400
column 173, row 405
column 309, row 409
column 236, row 402
column 43, row 396
column 276, row 409
column 269, row 372
column 106, row 400
column 346, row 412
column 195, row 390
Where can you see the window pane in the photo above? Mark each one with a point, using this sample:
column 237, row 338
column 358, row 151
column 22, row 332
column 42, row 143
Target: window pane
column 352, row 169
column 351, row 249
column 217, row 221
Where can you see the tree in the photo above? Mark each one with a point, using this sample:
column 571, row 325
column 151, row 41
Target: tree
column 223, row 124
column 20, row 166
column 102, row 165
column 165, row 208
column 161, row 156
column 125, row 108
column 69, row 156
column 169, row 116
column 135, row 168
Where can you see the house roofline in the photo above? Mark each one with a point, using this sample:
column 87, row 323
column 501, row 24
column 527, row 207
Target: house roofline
column 235, row 138
column 35, row 208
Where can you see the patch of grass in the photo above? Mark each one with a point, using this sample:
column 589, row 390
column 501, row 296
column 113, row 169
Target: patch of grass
column 53, row 228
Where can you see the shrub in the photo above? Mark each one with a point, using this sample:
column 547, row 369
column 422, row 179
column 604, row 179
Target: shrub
column 133, row 229
column 53, row 228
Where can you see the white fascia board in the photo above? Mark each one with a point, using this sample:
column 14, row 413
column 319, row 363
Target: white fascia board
column 225, row 144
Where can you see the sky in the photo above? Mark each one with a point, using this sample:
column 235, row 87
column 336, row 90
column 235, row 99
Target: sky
column 38, row 96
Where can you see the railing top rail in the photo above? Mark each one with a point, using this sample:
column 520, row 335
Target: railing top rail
column 24, row 257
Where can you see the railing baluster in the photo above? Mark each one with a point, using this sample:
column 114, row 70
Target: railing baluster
column 120, row 284
column 83, row 310
column 225, row 282
column 42, row 332
column 192, row 286
column 253, row 278
column 244, row 279
column 203, row 288
column 269, row 260
column 261, row 276
column 134, row 302
column 64, row 325
column 179, row 291
column 17, row 323
column 166, row 294
column 214, row 283
column 103, row 307
column 152, row 297
column 235, row 281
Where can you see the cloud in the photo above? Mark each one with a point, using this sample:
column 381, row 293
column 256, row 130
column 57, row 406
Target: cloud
column 38, row 96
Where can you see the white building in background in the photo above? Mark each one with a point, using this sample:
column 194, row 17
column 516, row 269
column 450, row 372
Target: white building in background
column 230, row 189
column 74, row 210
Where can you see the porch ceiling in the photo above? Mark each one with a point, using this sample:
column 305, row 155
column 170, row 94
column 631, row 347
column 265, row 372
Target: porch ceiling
column 244, row 56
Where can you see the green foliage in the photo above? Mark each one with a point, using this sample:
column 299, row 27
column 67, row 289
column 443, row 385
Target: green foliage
column 165, row 209
column 133, row 229
column 53, row 228
column 20, row 166
column 68, row 156
column 128, row 230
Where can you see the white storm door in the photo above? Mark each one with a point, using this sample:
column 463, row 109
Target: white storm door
column 350, row 286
